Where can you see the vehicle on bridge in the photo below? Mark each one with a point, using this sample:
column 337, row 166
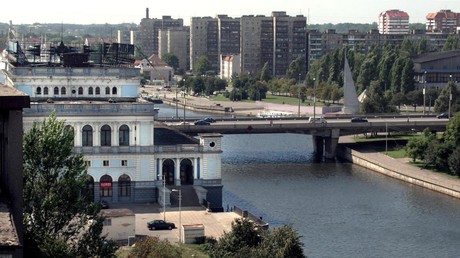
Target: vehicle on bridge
column 317, row 120
column 209, row 119
column 202, row 122
column 359, row 120
column 443, row 115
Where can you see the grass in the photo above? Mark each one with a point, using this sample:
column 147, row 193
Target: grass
column 187, row 250
column 275, row 99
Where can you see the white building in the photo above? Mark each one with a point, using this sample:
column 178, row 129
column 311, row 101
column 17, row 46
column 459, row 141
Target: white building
column 127, row 154
column 229, row 66
column 393, row 22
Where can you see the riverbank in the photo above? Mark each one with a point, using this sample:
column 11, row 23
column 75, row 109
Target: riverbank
column 363, row 155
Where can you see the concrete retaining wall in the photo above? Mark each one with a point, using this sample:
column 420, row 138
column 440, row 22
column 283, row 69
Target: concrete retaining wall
column 360, row 159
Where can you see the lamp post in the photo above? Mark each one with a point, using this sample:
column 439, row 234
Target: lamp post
column 424, row 92
column 450, row 94
column 314, row 100
column 180, row 213
column 185, row 99
column 177, row 111
column 298, row 95
column 164, row 197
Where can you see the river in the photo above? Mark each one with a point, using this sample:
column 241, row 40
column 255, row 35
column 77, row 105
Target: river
column 339, row 209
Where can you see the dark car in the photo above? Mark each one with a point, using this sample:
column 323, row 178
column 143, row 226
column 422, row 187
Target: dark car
column 443, row 115
column 209, row 119
column 160, row 224
column 359, row 120
column 202, row 122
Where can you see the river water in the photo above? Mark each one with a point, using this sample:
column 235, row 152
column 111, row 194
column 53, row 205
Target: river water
column 339, row 209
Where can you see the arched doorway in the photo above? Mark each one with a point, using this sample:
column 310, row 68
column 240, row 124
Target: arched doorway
column 186, row 172
column 168, row 171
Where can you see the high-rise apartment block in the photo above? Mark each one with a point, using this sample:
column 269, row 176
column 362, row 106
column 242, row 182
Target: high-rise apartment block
column 177, row 42
column 149, row 29
column 393, row 22
column 443, row 21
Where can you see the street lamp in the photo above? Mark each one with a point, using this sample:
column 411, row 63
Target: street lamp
column 314, row 100
column 180, row 213
column 185, row 99
column 424, row 92
column 298, row 93
column 164, row 197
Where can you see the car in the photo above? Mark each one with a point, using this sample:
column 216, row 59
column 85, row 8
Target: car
column 443, row 115
column 359, row 120
column 209, row 119
column 317, row 120
column 160, row 224
column 201, row 122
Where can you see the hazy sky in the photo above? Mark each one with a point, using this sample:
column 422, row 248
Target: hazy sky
column 119, row 11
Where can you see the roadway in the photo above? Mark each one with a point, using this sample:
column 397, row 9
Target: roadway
column 301, row 125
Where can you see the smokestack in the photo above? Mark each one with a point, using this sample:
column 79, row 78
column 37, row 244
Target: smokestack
column 147, row 12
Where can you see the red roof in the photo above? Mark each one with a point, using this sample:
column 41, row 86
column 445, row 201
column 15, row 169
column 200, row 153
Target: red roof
column 395, row 14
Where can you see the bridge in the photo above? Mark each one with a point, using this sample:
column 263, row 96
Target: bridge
column 325, row 135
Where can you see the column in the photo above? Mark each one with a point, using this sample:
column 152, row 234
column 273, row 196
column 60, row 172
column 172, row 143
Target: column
column 330, row 144
column 317, row 145
column 177, row 171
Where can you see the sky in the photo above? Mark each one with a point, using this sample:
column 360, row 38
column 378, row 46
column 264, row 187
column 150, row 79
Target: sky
column 119, row 11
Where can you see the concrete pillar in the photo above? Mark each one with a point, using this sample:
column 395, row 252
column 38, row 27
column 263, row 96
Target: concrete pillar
column 330, row 144
column 195, row 170
column 318, row 145
column 177, row 171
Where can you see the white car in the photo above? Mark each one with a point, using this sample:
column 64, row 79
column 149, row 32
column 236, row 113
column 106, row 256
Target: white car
column 317, row 120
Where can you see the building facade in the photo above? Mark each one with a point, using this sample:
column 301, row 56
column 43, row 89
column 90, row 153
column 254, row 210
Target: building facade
column 443, row 21
column 176, row 41
column 393, row 22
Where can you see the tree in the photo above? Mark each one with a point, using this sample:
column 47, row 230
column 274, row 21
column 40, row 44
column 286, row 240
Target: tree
column 281, row 242
column 265, row 74
column 154, row 247
column 171, row 60
column 296, row 69
column 59, row 221
column 452, row 43
column 202, row 65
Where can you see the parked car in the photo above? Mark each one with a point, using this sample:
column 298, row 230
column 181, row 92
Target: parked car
column 160, row 224
column 209, row 119
column 359, row 120
column 317, row 120
column 443, row 115
column 202, row 122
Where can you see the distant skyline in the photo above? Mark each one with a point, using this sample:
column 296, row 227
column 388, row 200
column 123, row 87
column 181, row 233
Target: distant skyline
column 115, row 12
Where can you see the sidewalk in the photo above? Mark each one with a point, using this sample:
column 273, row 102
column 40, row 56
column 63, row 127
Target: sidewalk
column 402, row 169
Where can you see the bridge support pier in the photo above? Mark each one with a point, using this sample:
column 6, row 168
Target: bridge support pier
column 326, row 145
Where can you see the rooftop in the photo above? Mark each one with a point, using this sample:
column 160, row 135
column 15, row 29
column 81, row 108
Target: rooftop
column 168, row 136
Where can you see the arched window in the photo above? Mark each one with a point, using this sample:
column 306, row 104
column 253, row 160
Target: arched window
column 90, row 91
column 69, row 128
column 87, row 136
column 45, row 91
column 107, row 91
column 124, row 185
column 80, row 91
column 123, row 139
column 39, row 91
column 106, row 134
column 105, row 185
column 56, row 91
column 114, row 91
column 63, row 91
column 98, row 91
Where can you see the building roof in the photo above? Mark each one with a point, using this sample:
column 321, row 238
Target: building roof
column 436, row 56
column 448, row 14
column 395, row 14
column 8, row 235
column 11, row 98
column 168, row 136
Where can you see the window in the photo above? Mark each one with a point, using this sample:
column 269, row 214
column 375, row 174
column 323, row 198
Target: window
column 45, row 91
column 87, row 136
column 105, row 185
column 39, row 91
column 106, row 134
column 124, row 185
column 107, row 91
column 124, row 163
column 56, row 91
column 63, row 91
column 88, row 163
column 98, row 91
column 80, row 91
column 107, row 222
column 105, row 163
column 123, row 135
column 90, row 91
column 114, row 91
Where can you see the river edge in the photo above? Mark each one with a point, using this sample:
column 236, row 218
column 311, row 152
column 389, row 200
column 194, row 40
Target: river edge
column 378, row 162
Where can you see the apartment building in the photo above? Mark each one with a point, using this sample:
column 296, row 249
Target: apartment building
column 176, row 41
column 443, row 21
column 393, row 22
column 149, row 32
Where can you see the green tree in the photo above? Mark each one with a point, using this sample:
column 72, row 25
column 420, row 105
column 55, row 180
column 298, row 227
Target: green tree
column 202, row 65
column 171, row 60
column 452, row 43
column 153, row 247
column 407, row 76
column 296, row 69
column 281, row 242
column 59, row 221
column 265, row 74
